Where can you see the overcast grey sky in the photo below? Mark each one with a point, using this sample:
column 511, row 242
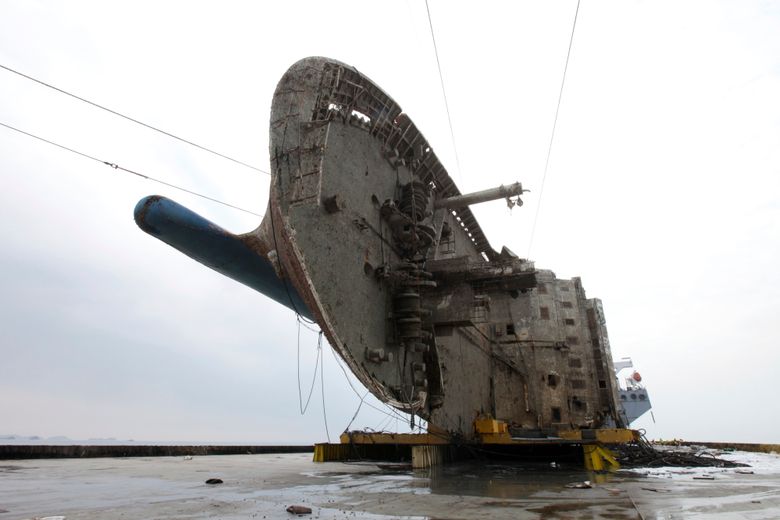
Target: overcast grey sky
column 662, row 194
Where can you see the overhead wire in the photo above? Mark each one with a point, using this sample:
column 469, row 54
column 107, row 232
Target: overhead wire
column 552, row 134
column 116, row 166
column 443, row 90
column 133, row 120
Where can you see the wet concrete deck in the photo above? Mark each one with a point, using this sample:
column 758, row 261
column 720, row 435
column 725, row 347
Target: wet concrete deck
column 262, row 486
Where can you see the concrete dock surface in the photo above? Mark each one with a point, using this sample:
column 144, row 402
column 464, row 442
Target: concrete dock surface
column 263, row 486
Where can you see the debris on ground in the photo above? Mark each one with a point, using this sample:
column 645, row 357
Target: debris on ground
column 214, row 481
column 299, row 510
column 580, row 485
column 395, row 467
column 704, row 477
column 642, row 454
column 655, row 490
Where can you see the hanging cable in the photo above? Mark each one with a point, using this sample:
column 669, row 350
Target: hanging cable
column 443, row 91
column 322, row 383
column 138, row 174
column 305, row 324
column 136, row 121
column 360, row 405
column 552, row 135
column 385, row 423
column 392, row 411
column 305, row 407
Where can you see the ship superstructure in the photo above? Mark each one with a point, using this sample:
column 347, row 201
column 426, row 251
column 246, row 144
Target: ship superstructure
column 634, row 399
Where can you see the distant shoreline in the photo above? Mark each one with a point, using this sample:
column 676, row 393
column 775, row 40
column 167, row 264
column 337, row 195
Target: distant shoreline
column 58, row 451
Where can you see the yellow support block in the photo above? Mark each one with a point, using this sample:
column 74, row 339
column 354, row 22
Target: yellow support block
column 603, row 435
column 599, row 458
column 426, row 457
column 496, row 438
column 490, row 425
column 492, row 431
column 325, row 452
column 616, row 435
column 570, row 435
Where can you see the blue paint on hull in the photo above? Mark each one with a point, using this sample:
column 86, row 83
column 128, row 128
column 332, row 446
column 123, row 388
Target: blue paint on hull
column 214, row 247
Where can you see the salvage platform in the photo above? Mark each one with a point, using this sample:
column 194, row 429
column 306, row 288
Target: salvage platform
column 424, row 450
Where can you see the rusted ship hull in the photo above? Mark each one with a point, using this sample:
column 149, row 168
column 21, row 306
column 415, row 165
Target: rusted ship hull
column 367, row 234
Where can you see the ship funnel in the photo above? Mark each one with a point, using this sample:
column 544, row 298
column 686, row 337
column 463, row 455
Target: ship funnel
column 240, row 257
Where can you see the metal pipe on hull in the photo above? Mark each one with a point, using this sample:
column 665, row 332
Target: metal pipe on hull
column 461, row 201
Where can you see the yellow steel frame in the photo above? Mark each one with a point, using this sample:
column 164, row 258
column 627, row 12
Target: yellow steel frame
column 603, row 435
column 393, row 438
column 489, row 431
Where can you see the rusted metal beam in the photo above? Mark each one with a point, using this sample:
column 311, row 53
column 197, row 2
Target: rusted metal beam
column 461, row 201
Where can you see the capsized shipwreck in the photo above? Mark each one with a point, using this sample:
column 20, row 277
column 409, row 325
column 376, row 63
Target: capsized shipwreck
column 366, row 234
